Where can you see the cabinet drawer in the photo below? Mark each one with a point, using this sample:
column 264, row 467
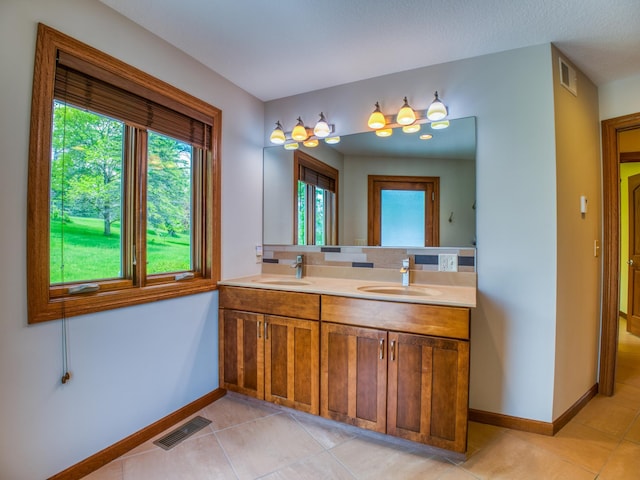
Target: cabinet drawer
column 273, row 302
column 435, row 320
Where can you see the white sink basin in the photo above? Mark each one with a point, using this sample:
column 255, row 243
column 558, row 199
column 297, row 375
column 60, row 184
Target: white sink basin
column 284, row 282
column 412, row 290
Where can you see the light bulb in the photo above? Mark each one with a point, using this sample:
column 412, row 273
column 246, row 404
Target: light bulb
column 437, row 110
column 299, row 132
column 322, row 129
column 376, row 120
column 413, row 128
column 277, row 136
column 384, row 132
column 406, row 115
column 440, row 124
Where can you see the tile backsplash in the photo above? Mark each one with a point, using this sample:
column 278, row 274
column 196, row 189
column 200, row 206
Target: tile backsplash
column 421, row 259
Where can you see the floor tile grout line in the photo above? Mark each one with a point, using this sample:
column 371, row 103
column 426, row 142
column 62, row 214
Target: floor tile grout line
column 330, row 451
column 226, row 456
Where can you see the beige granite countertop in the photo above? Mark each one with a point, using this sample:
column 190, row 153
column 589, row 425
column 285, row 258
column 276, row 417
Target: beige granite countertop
column 425, row 293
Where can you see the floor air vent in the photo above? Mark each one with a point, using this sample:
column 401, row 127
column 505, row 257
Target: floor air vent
column 173, row 438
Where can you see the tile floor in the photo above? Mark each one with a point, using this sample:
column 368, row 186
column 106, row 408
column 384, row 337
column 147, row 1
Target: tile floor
column 248, row 439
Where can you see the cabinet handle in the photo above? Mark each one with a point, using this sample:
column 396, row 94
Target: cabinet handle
column 382, row 349
column 259, row 328
column 266, row 330
column 393, row 350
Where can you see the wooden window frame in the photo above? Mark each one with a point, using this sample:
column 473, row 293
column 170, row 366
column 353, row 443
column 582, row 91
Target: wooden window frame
column 49, row 302
column 328, row 180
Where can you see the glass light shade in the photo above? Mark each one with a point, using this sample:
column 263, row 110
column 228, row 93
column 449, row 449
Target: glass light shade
column 413, row 128
column 406, row 115
column 313, row 142
column 426, row 136
column 299, row 132
column 384, row 132
column 440, row 125
column 322, row 129
column 332, row 140
column 291, row 146
column 437, row 110
column 376, row 119
column 277, row 136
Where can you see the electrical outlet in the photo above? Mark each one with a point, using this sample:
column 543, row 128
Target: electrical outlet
column 447, row 262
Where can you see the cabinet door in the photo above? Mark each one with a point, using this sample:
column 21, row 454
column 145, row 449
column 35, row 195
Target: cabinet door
column 428, row 390
column 354, row 376
column 292, row 361
column 242, row 352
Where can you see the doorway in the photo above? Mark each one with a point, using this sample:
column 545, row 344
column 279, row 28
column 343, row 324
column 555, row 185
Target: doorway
column 403, row 211
column 611, row 246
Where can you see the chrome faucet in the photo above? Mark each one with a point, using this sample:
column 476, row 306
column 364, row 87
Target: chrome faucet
column 298, row 265
column 405, row 272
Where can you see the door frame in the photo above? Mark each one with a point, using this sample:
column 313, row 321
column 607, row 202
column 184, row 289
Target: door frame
column 611, row 247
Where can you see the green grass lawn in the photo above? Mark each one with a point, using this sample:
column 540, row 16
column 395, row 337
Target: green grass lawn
column 90, row 255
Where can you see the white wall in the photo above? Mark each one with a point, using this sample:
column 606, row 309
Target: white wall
column 619, row 98
column 130, row 366
column 511, row 95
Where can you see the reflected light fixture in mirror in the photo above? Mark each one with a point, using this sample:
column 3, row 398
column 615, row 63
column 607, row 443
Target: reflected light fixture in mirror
column 439, row 125
column 384, row 132
column 310, row 143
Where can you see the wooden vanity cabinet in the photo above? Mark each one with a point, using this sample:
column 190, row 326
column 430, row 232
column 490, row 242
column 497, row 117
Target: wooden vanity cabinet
column 270, row 356
column 411, row 385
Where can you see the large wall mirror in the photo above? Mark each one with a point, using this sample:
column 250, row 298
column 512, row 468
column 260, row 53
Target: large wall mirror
column 449, row 156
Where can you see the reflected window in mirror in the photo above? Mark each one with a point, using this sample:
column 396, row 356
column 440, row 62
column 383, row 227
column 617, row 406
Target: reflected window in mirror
column 315, row 200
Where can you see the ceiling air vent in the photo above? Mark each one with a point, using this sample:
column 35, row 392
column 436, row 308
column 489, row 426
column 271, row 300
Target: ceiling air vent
column 568, row 77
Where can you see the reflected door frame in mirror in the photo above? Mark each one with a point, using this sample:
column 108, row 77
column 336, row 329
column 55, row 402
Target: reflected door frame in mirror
column 431, row 188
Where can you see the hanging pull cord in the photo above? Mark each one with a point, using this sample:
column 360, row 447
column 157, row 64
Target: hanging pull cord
column 66, row 376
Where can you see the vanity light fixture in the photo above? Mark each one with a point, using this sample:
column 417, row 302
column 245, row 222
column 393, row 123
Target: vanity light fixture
column 322, row 129
column 406, row 115
column 437, row 110
column 411, row 119
column 299, row 132
column 311, row 142
column 426, row 136
column 384, row 132
column 277, row 136
column 332, row 140
column 291, row 146
column 376, row 119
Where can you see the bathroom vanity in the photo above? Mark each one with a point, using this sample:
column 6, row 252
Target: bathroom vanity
column 376, row 355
